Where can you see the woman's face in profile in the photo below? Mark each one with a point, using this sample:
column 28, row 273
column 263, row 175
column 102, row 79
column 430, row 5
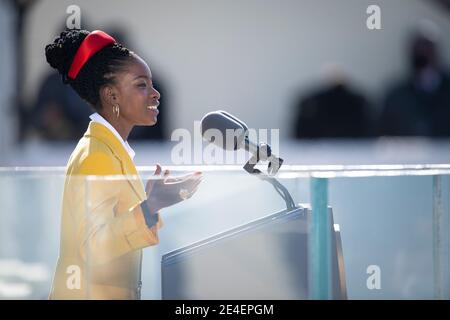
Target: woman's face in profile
column 137, row 99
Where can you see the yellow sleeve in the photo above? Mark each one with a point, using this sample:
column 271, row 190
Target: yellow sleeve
column 106, row 234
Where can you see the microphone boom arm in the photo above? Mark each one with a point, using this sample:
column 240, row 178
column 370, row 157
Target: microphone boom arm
column 279, row 188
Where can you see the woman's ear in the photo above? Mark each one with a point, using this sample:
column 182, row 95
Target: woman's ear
column 108, row 95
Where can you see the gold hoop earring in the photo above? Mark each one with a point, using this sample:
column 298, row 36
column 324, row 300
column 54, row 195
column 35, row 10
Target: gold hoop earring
column 116, row 110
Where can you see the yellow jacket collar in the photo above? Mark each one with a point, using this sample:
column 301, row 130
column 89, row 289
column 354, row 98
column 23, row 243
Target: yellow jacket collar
column 102, row 133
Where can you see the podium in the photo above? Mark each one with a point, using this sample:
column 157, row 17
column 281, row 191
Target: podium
column 264, row 259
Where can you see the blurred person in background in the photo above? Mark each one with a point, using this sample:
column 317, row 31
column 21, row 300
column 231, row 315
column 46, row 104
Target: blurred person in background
column 420, row 104
column 106, row 223
column 59, row 113
column 335, row 110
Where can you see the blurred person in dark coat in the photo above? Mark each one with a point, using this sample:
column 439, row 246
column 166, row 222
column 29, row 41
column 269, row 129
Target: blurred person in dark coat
column 59, row 114
column 333, row 111
column 420, row 104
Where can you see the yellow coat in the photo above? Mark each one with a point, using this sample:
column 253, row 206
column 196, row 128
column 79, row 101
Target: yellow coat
column 103, row 229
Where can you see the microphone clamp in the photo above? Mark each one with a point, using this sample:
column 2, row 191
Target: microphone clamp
column 262, row 152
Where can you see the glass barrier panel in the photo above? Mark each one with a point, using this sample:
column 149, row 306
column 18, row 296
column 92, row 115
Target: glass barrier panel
column 374, row 232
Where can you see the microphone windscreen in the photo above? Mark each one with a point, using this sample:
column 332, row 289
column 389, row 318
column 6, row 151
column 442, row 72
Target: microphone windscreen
column 219, row 126
column 229, row 115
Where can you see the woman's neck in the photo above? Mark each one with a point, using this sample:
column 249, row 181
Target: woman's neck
column 121, row 126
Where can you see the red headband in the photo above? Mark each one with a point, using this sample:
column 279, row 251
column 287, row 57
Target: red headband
column 94, row 42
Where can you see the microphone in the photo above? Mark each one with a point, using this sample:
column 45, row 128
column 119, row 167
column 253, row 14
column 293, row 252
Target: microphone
column 229, row 126
column 221, row 123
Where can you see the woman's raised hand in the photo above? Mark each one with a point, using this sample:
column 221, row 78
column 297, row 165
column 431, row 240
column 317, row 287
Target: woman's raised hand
column 165, row 191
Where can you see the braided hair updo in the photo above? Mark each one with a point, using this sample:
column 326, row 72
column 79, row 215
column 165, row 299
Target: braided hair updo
column 98, row 71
